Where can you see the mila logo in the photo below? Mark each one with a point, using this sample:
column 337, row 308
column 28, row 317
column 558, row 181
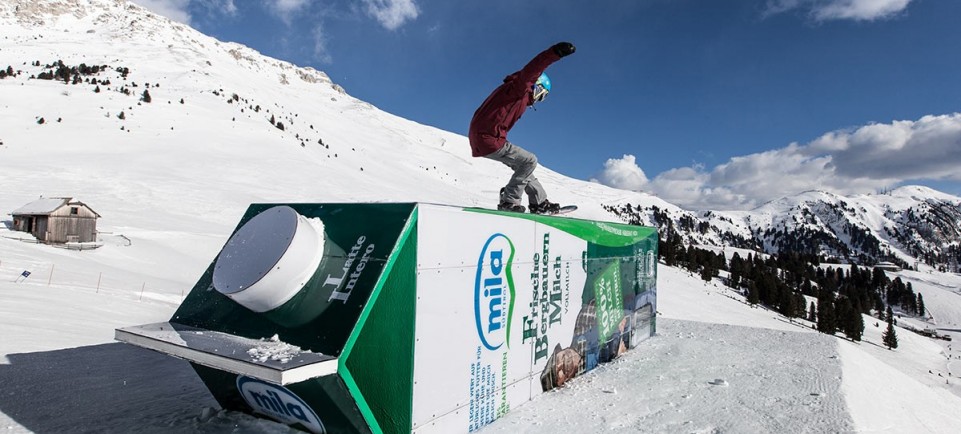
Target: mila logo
column 279, row 404
column 494, row 291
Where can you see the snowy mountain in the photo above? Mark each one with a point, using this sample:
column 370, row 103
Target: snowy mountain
column 905, row 225
column 169, row 135
column 217, row 109
column 78, row 74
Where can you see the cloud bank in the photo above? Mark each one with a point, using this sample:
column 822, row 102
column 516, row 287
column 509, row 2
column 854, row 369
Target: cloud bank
column 389, row 14
column 622, row 173
column 826, row 10
column 860, row 160
column 286, row 9
column 392, row 14
column 174, row 9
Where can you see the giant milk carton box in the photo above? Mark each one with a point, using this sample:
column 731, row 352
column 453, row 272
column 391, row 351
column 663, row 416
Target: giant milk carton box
column 408, row 317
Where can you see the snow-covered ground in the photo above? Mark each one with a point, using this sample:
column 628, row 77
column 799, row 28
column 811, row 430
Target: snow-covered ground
column 173, row 177
column 716, row 365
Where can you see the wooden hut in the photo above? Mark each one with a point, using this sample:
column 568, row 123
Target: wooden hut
column 887, row 266
column 57, row 220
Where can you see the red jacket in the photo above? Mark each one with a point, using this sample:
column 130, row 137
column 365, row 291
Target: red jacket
column 505, row 105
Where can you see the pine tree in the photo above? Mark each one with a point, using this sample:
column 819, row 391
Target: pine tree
column 146, row 97
column 736, row 266
column 752, row 294
column 842, row 313
column 787, row 304
column 827, row 320
column 890, row 337
column 812, row 313
column 706, row 273
column 856, row 327
column 850, row 320
column 921, row 308
column 807, row 288
column 800, row 310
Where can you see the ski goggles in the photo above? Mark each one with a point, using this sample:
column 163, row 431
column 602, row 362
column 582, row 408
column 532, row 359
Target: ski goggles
column 539, row 93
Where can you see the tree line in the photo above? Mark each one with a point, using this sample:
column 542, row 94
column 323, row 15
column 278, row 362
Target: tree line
column 781, row 282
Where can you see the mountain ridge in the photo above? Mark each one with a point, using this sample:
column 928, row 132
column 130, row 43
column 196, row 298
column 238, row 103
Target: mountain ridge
column 228, row 126
column 906, row 225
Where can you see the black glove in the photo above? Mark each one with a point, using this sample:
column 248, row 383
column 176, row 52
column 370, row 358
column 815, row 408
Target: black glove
column 563, row 49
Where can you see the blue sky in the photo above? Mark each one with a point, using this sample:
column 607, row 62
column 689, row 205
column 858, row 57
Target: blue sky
column 706, row 103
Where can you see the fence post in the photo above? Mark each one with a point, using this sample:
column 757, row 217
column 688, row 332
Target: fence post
column 98, row 281
column 141, row 290
column 51, row 274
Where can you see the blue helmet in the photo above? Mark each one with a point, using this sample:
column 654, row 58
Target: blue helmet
column 541, row 88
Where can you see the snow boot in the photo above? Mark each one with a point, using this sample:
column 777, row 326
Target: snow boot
column 504, row 206
column 545, row 207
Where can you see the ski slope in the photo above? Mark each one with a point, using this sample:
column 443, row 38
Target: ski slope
column 716, row 365
column 172, row 178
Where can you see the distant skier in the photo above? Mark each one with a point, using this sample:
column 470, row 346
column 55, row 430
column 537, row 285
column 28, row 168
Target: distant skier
column 497, row 115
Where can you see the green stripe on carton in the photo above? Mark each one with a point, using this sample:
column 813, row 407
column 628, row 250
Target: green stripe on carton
column 603, row 233
column 377, row 363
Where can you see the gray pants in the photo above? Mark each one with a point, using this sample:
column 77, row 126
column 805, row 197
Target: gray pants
column 523, row 180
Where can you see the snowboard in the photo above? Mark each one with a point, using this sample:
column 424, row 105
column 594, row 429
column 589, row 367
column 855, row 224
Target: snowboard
column 562, row 210
column 565, row 209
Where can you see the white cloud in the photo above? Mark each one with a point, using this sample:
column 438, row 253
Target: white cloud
column 224, row 7
column 774, row 7
column 177, row 10
column 320, row 45
column 860, row 10
column 392, row 13
column 922, row 149
column 174, row 9
column 824, row 10
column 622, row 173
column 285, row 9
column 860, row 160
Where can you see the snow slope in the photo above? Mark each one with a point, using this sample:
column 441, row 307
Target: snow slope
column 716, row 365
column 172, row 179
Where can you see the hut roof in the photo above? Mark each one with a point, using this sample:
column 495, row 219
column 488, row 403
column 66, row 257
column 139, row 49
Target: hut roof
column 46, row 206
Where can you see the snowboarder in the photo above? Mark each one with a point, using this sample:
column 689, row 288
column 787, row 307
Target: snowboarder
column 497, row 115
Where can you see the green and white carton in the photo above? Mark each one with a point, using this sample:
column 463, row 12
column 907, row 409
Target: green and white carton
column 407, row 317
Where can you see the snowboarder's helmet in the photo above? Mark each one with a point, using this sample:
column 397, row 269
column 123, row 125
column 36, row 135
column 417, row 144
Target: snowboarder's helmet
column 541, row 88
